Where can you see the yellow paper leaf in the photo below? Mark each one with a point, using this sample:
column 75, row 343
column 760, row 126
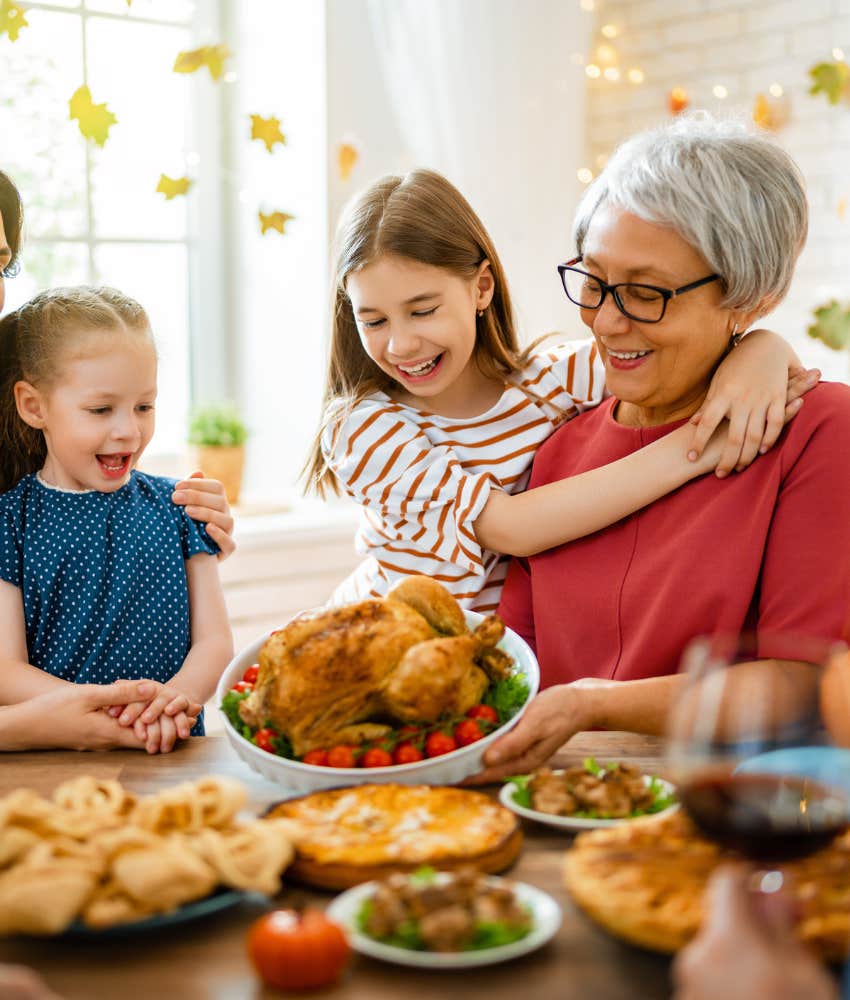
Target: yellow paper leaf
column 274, row 220
column 841, row 208
column 95, row 120
column 172, row 186
column 211, row 56
column 267, row 130
column 11, row 19
column 346, row 157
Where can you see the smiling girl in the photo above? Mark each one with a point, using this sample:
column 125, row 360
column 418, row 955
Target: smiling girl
column 433, row 414
column 101, row 575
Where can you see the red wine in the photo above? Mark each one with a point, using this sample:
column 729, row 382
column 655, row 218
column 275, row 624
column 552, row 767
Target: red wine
column 765, row 816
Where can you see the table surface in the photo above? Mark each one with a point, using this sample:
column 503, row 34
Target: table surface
column 206, row 959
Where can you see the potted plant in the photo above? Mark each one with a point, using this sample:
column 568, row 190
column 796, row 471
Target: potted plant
column 218, row 433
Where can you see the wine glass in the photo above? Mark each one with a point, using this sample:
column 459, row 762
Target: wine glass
column 756, row 741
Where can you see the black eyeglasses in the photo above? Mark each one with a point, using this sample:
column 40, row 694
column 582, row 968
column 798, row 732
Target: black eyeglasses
column 644, row 303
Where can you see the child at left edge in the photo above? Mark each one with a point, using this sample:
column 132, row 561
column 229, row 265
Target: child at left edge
column 101, row 575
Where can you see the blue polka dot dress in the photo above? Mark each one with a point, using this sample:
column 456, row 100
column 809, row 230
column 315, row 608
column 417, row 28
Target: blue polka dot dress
column 103, row 578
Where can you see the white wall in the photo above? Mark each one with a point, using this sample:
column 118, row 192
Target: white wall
column 534, row 130
column 746, row 45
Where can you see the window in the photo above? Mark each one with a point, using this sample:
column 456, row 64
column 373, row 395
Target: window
column 92, row 214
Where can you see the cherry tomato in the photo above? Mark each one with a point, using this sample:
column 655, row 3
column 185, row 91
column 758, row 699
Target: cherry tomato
column 317, row 757
column 341, row 756
column 297, row 952
column 467, row 732
column 438, row 743
column 263, row 739
column 376, row 757
column 486, row 713
column 250, row 675
column 407, row 753
column 241, row 686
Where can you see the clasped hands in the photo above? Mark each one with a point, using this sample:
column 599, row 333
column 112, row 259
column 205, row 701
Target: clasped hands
column 159, row 721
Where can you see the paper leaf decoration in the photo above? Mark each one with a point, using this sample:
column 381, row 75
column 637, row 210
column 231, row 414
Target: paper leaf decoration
column 267, row 130
column 95, row 120
column 832, row 79
column 677, row 100
column 347, row 156
column 274, row 220
column 771, row 113
column 171, row 187
column 832, row 325
column 11, row 19
column 211, row 56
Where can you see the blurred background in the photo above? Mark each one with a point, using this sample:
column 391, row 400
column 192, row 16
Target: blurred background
column 218, row 140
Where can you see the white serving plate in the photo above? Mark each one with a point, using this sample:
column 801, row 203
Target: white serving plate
column 545, row 912
column 576, row 823
column 448, row 769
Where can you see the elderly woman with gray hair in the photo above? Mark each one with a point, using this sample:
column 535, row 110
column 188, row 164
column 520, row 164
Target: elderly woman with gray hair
column 690, row 234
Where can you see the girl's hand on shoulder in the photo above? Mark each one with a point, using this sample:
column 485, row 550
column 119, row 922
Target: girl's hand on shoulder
column 205, row 501
column 755, row 411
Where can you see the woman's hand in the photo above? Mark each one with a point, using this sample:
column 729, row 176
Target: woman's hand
column 758, row 391
column 205, row 501
column 554, row 716
column 19, row 982
column 745, row 949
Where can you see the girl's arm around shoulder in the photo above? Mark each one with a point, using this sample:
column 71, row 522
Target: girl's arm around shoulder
column 570, row 375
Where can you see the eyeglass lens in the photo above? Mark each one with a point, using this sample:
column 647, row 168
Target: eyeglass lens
column 637, row 301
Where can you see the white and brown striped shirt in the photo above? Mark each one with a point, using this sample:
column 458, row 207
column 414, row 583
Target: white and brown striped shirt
column 423, row 479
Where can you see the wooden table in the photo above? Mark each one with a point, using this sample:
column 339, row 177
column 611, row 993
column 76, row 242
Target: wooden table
column 206, row 959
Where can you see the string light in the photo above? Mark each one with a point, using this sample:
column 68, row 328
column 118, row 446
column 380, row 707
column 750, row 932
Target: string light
column 593, row 71
column 230, row 77
column 584, row 174
column 838, row 55
column 776, row 90
column 636, row 75
column 612, row 73
column 609, row 30
column 606, row 54
column 720, row 92
column 601, row 160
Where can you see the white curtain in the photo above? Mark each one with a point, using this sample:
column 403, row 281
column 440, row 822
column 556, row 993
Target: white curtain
column 490, row 93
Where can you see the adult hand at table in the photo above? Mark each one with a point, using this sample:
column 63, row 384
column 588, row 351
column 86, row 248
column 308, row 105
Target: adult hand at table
column 72, row 717
column 17, row 982
column 554, row 716
column 746, row 949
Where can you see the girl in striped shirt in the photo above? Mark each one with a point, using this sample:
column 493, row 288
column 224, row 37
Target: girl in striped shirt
column 433, row 413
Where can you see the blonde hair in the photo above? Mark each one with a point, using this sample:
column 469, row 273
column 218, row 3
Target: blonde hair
column 424, row 218
column 35, row 340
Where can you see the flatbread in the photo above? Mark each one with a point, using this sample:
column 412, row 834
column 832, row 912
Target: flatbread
column 643, row 881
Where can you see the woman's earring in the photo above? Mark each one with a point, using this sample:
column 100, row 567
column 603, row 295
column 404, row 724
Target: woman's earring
column 736, row 337
column 480, row 313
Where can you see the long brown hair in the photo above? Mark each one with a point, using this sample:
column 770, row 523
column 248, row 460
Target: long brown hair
column 12, row 212
column 35, row 341
column 424, row 218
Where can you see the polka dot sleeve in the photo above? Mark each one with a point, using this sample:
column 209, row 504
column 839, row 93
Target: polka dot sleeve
column 11, row 549
column 194, row 537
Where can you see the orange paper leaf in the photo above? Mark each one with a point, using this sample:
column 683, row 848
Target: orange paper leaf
column 267, row 130
column 11, row 19
column 346, row 156
column 171, row 187
column 211, row 56
column 677, row 100
column 95, row 120
column 274, row 220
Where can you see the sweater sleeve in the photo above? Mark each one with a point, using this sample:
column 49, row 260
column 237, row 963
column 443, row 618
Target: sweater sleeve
column 419, row 503
column 568, row 376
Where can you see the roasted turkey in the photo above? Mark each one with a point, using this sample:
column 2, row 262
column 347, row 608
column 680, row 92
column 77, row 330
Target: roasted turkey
column 344, row 675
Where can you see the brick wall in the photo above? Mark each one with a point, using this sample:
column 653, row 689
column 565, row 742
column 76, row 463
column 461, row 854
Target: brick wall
column 745, row 47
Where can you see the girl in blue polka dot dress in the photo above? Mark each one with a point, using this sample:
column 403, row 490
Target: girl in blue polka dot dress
column 101, row 575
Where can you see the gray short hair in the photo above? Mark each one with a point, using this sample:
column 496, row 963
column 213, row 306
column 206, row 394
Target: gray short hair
column 731, row 192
